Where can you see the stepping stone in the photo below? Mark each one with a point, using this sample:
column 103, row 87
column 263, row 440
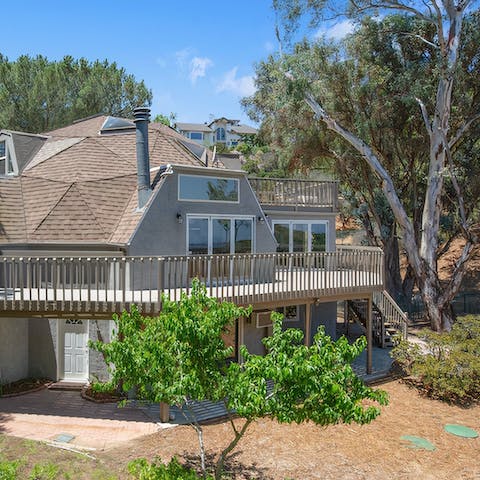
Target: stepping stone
column 418, row 443
column 64, row 438
column 461, row 431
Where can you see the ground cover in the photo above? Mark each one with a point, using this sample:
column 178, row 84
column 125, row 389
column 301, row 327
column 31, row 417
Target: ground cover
column 276, row 452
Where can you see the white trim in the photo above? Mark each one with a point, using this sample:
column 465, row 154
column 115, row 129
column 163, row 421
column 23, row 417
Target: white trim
column 309, row 224
column 209, row 218
column 235, row 179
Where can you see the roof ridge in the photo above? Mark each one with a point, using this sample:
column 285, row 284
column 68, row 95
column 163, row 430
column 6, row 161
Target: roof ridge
column 125, row 158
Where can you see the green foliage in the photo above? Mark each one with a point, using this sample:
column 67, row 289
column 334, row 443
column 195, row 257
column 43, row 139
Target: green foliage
column 448, row 365
column 142, row 470
column 178, row 355
column 103, row 387
column 168, row 120
column 44, row 471
column 38, row 95
column 8, row 469
column 313, row 383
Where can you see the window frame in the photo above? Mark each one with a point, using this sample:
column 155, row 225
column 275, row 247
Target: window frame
column 309, row 224
column 210, row 218
column 196, row 133
column 181, row 175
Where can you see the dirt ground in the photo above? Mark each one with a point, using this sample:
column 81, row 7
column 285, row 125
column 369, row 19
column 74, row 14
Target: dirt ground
column 375, row 451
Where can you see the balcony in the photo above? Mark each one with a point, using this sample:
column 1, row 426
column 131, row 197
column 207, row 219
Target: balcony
column 99, row 287
column 296, row 193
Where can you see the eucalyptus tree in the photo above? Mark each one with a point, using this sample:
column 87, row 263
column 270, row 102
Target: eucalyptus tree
column 448, row 117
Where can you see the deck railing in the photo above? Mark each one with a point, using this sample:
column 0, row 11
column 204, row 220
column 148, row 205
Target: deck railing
column 287, row 192
column 392, row 314
column 72, row 285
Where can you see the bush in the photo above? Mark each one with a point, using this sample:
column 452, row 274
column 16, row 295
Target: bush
column 142, row 470
column 448, row 367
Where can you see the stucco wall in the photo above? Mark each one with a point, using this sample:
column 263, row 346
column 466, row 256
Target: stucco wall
column 98, row 330
column 42, row 346
column 160, row 233
column 13, row 349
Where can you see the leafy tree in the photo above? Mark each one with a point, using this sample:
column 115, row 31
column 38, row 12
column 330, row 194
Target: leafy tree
column 38, row 95
column 181, row 357
column 447, row 117
column 168, row 120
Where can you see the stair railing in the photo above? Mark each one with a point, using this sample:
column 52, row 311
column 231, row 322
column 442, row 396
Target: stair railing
column 391, row 312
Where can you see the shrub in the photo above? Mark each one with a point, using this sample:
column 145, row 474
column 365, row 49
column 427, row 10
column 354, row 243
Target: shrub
column 8, row 470
column 448, row 366
column 142, row 470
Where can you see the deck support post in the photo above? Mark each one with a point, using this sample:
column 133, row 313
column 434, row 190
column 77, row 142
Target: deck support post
column 164, row 412
column 308, row 324
column 241, row 337
column 369, row 335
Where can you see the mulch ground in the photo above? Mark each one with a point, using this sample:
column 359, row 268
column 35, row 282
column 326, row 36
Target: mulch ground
column 375, row 451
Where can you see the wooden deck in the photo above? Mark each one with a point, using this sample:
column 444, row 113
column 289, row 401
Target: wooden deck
column 98, row 287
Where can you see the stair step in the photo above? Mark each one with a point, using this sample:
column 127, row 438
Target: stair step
column 72, row 386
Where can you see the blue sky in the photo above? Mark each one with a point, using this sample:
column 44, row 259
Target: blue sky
column 197, row 57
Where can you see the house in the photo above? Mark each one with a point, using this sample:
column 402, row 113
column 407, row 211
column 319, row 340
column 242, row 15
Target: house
column 107, row 212
column 221, row 131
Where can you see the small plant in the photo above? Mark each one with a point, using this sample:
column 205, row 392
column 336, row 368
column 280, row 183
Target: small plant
column 8, row 469
column 103, row 387
column 142, row 470
column 447, row 367
column 44, row 471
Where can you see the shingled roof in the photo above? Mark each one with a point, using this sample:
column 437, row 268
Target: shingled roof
column 81, row 186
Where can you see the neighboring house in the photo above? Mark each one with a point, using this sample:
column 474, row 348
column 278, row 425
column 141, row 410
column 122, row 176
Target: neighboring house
column 220, row 131
column 106, row 213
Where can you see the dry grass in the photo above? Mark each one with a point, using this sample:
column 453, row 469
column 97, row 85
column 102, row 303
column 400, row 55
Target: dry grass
column 272, row 451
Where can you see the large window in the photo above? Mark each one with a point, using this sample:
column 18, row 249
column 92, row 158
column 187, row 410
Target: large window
column 219, row 235
column 208, row 189
column 220, row 134
column 196, row 135
column 6, row 164
column 300, row 236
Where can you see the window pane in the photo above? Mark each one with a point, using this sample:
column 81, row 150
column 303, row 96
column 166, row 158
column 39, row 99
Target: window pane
column 198, row 236
column 208, row 188
column 196, row 135
column 243, row 236
column 221, row 235
column 281, row 232
column 2, row 149
column 300, row 237
column 319, row 237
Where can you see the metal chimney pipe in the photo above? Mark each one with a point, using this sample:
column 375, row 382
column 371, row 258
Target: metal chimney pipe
column 142, row 118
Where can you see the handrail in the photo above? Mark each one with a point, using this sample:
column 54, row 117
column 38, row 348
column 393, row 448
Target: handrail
column 391, row 312
column 110, row 284
column 292, row 192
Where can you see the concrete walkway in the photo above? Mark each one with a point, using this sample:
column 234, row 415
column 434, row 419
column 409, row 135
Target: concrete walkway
column 46, row 414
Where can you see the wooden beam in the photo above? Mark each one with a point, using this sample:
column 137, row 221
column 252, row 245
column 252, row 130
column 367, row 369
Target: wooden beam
column 369, row 334
column 308, row 324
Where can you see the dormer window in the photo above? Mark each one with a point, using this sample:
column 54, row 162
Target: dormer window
column 6, row 165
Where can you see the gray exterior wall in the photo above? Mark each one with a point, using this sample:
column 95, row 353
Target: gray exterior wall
column 13, row 349
column 42, row 348
column 159, row 233
column 325, row 314
column 98, row 330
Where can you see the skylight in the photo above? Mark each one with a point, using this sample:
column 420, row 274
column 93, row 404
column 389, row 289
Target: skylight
column 115, row 123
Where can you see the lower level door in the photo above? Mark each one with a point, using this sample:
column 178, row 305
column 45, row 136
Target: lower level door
column 75, row 350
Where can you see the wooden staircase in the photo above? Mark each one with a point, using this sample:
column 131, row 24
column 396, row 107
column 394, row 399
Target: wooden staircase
column 388, row 320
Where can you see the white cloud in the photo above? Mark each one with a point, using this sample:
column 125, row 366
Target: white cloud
column 161, row 62
column 337, row 31
column 242, row 86
column 198, row 67
column 182, row 56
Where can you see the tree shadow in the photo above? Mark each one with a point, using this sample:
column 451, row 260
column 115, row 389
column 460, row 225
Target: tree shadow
column 234, row 468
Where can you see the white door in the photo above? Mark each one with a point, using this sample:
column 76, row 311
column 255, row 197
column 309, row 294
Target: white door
column 75, row 350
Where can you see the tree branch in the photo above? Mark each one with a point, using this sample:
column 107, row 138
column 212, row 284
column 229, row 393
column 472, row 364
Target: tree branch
column 387, row 184
column 426, row 118
column 461, row 131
